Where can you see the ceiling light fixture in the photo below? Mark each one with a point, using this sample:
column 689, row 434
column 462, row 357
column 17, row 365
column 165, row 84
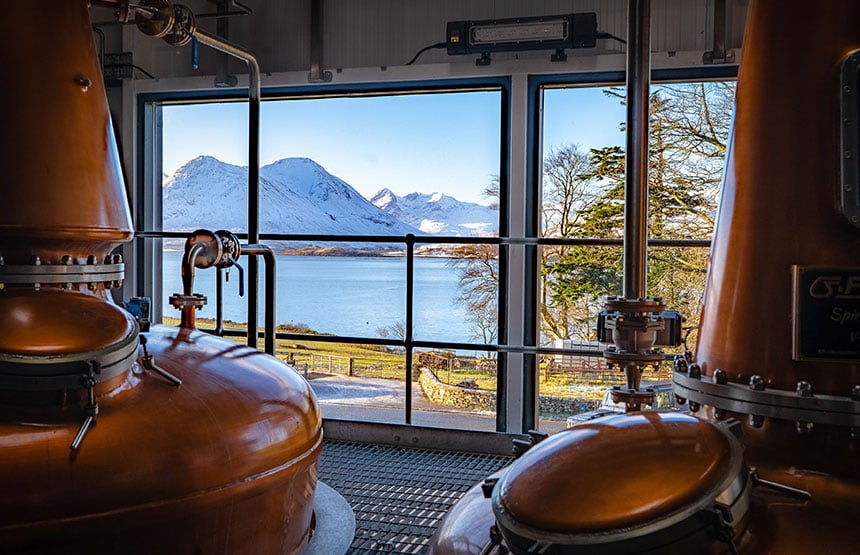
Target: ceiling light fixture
column 557, row 32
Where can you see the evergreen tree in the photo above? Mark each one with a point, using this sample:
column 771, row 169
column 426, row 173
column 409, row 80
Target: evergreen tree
column 687, row 142
column 583, row 198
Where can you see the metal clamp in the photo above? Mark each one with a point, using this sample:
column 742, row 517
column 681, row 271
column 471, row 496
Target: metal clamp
column 195, row 300
column 149, row 363
column 798, row 405
column 92, row 409
column 54, row 373
column 62, row 273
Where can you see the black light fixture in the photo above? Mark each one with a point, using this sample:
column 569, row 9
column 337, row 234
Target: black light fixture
column 557, row 32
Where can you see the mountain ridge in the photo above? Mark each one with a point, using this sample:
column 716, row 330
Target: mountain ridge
column 298, row 196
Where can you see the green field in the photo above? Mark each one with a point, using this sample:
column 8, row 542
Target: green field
column 313, row 358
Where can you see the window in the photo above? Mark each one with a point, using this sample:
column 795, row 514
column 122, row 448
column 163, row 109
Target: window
column 388, row 211
column 383, row 210
column 582, row 218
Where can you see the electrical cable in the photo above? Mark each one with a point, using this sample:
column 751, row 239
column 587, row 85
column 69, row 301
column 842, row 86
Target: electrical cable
column 425, row 49
column 143, row 71
column 605, row 35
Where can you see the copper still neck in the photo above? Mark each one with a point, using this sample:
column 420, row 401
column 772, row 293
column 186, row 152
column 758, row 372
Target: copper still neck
column 63, row 212
column 64, row 194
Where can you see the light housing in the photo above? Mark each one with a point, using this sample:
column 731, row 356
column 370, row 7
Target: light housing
column 556, row 32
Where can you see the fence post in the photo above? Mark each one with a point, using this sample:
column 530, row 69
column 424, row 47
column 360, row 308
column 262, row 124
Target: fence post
column 349, row 368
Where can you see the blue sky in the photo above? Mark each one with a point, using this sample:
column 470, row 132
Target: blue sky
column 446, row 143
column 584, row 116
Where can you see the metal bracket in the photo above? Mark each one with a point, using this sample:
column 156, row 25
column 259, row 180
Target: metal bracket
column 719, row 55
column 850, row 138
column 316, row 73
column 117, row 67
column 223, row 77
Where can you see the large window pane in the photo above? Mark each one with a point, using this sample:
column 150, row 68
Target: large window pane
column 583, row 199
column 378, row 167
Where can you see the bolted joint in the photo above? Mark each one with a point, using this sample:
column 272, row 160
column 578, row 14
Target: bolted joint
column 855, row 393
column 695, row 371
column 756, row 383
column 804, row 389
column 720, row 414
column 804, row 427
column 720, row 377
column 694, row 406
column 756, row 420
column 680, row 365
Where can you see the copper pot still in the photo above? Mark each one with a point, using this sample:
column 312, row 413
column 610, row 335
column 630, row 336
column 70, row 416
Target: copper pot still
column 777, row 366
column 112, row 440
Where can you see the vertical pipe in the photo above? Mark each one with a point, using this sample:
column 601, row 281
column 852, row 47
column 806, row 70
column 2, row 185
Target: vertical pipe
column 253, row 166
column 410, row 290
column 636, row 185
column 253, row 251
column 219, row 302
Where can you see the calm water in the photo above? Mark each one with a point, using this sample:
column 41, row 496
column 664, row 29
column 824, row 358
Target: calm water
column 343, row 295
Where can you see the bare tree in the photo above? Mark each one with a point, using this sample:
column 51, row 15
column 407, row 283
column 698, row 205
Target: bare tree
column 584, row 198
column 478, row 266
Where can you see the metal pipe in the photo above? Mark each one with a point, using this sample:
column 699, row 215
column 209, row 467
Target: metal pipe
column 219, row 303
column 253, row 164
column 188, row 263
column 636, row 184
column 410, row 291
column 269, row 308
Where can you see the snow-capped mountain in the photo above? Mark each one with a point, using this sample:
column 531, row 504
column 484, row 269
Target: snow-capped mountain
column 439, row 214
column 296, row 196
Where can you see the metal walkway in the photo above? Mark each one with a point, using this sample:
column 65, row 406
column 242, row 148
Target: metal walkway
column 399, row 494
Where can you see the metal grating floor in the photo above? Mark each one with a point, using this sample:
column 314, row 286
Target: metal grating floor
column 398, row 494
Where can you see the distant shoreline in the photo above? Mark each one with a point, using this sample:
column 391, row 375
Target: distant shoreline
column 424, row 252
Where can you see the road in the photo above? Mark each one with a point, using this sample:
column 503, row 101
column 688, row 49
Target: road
column 380, row 400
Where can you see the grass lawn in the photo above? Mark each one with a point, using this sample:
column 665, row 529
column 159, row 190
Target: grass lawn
column 323, row 357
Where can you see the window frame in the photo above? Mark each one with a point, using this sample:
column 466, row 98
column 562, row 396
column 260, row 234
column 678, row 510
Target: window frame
column 149, row 234
column 534, row 171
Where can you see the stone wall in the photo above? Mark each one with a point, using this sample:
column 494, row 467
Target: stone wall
column 565, row 405
column 453, row 396
column 481, row 399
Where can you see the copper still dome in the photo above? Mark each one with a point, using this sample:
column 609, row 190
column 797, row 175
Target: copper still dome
column 98, row 450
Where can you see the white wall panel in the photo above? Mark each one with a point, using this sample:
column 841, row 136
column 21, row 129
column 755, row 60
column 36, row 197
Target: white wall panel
column 375, row 33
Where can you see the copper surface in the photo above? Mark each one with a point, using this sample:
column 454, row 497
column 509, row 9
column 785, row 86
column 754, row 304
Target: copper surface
column 226, row 463
column 611, row 467
column 779, row 201
column 62, row 186
column 779, row 209
column 466, row 527
column 56, row 322
column 778, row 523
